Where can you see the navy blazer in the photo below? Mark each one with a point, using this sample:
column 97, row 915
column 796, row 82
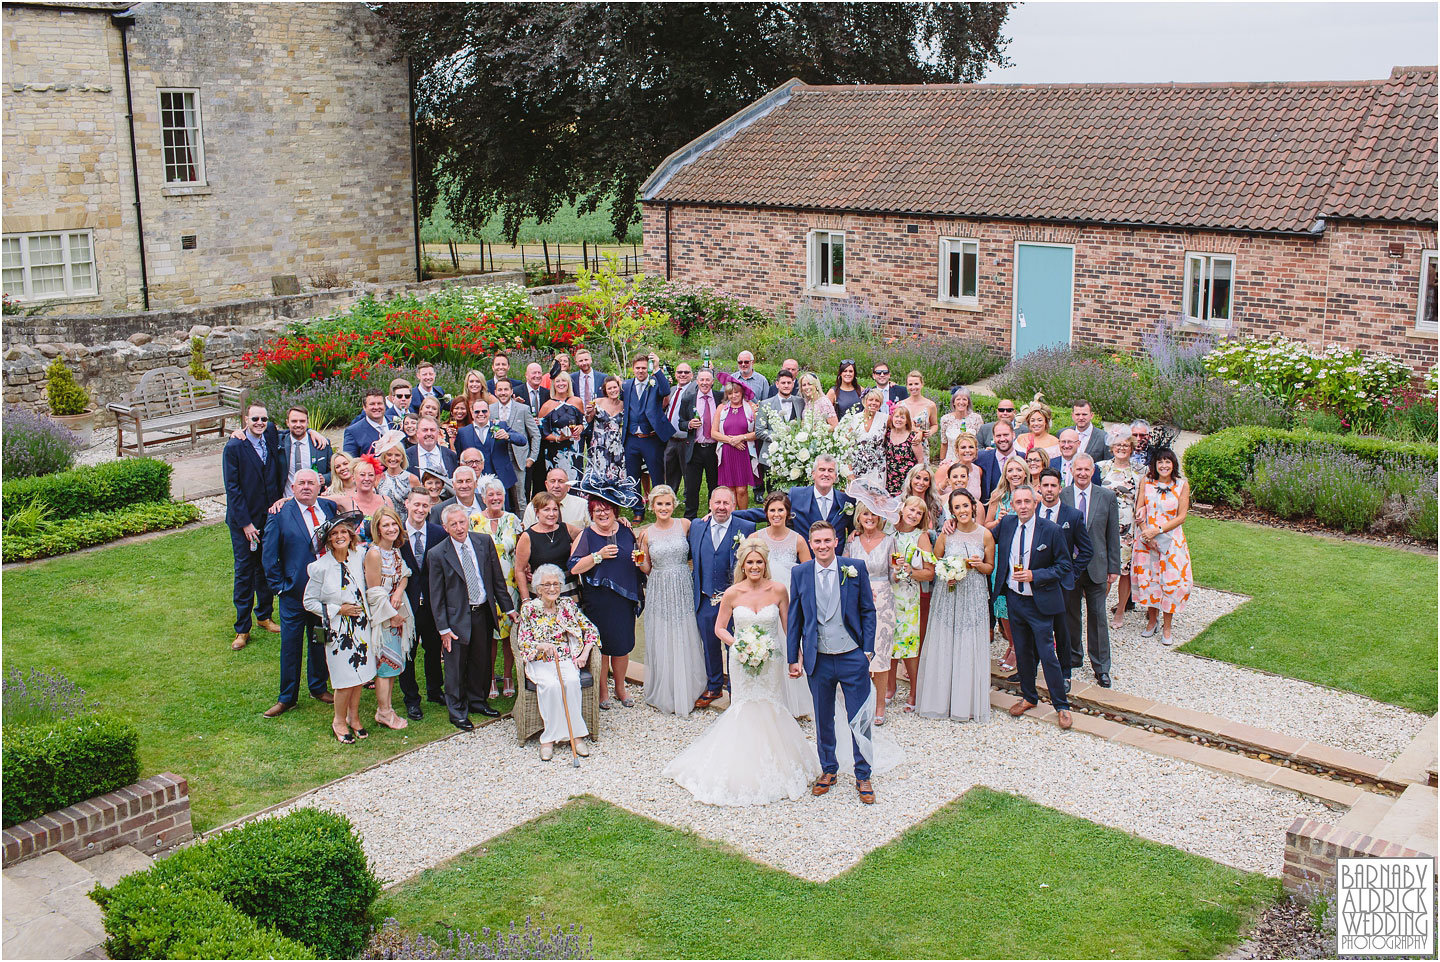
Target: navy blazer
column 447, row 458
column 597, row 381
column 251, row 486
column 857, row 609
column 714, row 569
column 1049, row 561
column 648, row 416
column 804, row 512
column 522, row 394
column 1058, row 463
column 517, row 386
column 497, row 457
column 1072, row 525
column 359, row 435
column 288, row 549
column 989, row 462
column 319, row 459
column 416, row 589
column 438, row 393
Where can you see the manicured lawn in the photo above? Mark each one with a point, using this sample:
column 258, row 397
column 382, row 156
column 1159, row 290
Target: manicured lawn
column 145, row 629
column 967, row 882
column 1351, row 616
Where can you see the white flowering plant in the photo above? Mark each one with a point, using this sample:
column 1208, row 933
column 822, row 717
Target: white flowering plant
column 1347, row 382
column 753, row 647
column 796, row 445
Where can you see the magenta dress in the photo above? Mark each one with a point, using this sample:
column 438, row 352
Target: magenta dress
column 737, row 470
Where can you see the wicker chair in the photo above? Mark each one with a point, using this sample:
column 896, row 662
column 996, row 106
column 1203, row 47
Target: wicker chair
column 527, row 707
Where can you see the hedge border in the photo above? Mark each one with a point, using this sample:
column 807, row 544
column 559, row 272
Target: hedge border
column 48, row 767
column 100, row 527
column 91, row 488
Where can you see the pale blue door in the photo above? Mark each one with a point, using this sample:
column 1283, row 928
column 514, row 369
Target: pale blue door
column 1044, row 295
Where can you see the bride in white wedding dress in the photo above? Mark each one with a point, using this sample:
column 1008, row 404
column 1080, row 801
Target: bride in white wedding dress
column 754, row 753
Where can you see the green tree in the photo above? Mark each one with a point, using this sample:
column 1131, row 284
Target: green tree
column 527, row 106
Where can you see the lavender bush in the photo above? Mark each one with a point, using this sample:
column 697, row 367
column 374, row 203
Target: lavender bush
column 1338, row 490
column 39, row 697
column 535, row 941
column 33, row 444
column 1174, row 353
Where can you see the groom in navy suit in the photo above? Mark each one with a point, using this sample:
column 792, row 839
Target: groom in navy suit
column 713, row 541
column 1033, row 560
column 647, row 427
column 810, row 503
column 832, row 628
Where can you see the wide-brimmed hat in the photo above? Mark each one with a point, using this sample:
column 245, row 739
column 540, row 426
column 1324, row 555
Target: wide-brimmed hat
column 623, row 493
column 352, row 518
column 449, row 489
column 725, row 377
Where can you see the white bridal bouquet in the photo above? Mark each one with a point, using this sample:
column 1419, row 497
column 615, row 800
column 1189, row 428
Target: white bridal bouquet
column 795, row 445
column 950, row 570
column 752, row 647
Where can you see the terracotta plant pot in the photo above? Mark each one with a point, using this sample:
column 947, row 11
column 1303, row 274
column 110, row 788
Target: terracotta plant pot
column 82, row 424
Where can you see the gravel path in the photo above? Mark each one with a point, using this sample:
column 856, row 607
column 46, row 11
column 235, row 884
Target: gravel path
column 1145, row 667
column 478, row 785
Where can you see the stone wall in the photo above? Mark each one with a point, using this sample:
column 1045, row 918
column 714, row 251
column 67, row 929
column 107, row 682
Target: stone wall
column 151, row 816
column 304, row 111
column 1343, row 287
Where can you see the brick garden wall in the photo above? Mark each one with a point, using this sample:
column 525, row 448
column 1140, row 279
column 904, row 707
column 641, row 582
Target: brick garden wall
column 1312, row 847
column 1342, row 288
column 152, row 816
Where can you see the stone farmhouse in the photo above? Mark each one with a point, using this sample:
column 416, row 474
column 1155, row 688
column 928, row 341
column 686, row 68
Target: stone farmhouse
column 166, row 155
column 1032, row 215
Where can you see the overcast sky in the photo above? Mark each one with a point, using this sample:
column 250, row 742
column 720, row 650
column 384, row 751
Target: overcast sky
column 1149, row 42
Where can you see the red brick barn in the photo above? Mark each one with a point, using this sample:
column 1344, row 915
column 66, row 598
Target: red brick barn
column 1073, row 213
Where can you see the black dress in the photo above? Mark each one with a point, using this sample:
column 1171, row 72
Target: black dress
column 845, row 400
column 552, row 548
column 562, row 454
column 613, row 592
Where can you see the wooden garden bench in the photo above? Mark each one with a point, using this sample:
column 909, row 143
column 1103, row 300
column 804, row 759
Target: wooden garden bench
column 167, row 400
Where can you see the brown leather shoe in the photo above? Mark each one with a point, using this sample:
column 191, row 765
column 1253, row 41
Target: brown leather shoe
column 1063, row 717
column 277, row 709
column 1021, row 707
column 867, row 792
column 327, row 697
column 269, row 626
column 823, row 784
column 706, row 699
column 241, row 640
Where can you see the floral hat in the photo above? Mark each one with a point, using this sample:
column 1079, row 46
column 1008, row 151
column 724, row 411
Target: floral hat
column 353, row 519
column 622, row 494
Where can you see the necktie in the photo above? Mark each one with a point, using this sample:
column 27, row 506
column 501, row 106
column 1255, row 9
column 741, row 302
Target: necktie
column 313, row 516
column 260, row 450
column 789, row 409
column 295, row 463
column 472, row 577
column 1020, row 557
column 1049, row 514
column 585, row 385
column 534, row 400
column 829, row 592
column 717, row 534
column 417, row 541
column 823, row 503
column 705, row 418
column 1085, row 505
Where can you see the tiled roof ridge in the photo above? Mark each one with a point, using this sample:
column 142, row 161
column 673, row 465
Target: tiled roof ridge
column 1165, row 85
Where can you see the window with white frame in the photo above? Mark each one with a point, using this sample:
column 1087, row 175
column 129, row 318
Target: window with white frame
column 180, row 135
column 1209, row 288
column 827, row 261
column 1425, row 319
column 48, row 265
column 959, row 270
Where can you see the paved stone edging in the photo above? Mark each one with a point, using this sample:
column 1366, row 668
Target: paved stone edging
column 151, row 815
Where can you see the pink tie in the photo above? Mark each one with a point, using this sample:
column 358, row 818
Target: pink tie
column 705, row 417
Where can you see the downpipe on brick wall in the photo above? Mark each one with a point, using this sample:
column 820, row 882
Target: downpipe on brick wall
column 124, row 21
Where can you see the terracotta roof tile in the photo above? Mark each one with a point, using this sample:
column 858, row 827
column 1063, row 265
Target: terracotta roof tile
column 1230, row 156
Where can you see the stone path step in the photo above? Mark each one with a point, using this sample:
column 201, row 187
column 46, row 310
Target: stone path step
column 46, row 904
column 1411, row 821
column 1366, row 813
column 1416, row 764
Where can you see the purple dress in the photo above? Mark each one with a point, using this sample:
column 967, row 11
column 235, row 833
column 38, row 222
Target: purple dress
column 736, row 467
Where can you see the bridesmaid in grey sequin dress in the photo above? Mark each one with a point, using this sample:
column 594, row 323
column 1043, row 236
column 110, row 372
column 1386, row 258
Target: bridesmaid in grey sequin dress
column 674, row 655
column 954, row 672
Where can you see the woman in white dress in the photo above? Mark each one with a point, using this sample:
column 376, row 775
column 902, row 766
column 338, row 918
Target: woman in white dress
column 924, row 413
column 954, row 677
column 335, row 594
column 674, row 655
column 787, row 549
column 817, row 405
column 755, row 753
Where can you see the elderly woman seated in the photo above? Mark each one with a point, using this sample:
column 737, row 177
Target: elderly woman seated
column 555, row 638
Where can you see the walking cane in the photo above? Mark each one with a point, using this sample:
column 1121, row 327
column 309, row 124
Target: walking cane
column 565, row 703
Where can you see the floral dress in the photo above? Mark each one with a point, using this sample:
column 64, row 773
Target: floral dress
column 1125, row 482
column 566, row 627
column 505, row 534
column 1161, row 572
column 877, row 566
column 899, row 459
column 907, row 599
column 396, row 487
column 607, row 445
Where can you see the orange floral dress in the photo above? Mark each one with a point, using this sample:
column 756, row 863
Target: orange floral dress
column 1161, row 575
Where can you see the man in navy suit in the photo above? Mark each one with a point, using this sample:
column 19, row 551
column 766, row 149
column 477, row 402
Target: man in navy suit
column 830, row 634
column 428, row 452
column 397, row 405
column 646, row 426
column 288, row 550
column 893, row 392
column 253, row 473
column 535, row 395
column 298, row 449
column 713, row 541
column 427, row 387
column 810, row 503
column 1033, row 560
column 494, row 452
column 1077, row 542
column 1069, row 447
column 420, row 537
column 992, row 460
column 366, row 429
column 588, row 382
column 500, row 365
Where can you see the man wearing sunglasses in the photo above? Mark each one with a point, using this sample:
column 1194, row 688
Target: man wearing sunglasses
column 398, row 403
column 751, row 378
column 893, row 392
column 254, row 475
column 985, row 437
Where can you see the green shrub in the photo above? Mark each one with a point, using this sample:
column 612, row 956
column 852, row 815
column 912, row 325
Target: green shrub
column 153, row 922
column 1219, row 466
column 84, row 490
column 64, row 395
column 305, row 875
column 49, row 767
column 99, row 527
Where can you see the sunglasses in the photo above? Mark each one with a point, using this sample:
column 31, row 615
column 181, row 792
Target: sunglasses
column 402, row 396
column 1006, row 410
column 880, row 370
column 258, row 420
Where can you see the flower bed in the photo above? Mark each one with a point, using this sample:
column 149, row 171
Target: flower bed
column 1349, row 383
column 35, row 445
